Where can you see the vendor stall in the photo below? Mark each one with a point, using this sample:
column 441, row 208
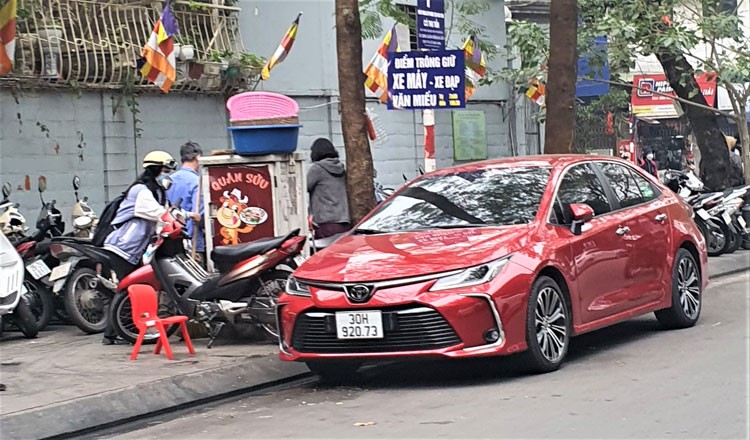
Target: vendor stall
column 247, row 198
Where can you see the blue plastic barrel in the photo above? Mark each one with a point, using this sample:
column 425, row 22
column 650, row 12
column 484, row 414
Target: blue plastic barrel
column 265, row 139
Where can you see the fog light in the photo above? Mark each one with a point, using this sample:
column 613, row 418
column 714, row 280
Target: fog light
column 492, row 335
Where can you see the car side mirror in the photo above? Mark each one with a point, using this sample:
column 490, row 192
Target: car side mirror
column 582, row 213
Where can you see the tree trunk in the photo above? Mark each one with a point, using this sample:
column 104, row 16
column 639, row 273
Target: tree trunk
column 744, row 142
column 359, row 174
column 561, row 77
column 715, row 169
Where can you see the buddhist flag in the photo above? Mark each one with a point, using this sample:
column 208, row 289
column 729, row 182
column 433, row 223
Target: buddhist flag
column 476, row 67
column 7, row 35
column 536, row 92
column 377, row 71
column 283, row 50
column 158, row 63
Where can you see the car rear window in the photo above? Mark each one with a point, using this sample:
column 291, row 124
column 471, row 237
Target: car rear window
column 490, row 196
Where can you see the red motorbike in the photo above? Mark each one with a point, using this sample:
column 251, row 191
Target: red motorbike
column 243, row 292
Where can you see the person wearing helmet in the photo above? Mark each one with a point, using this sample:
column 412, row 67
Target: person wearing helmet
column 136, row 218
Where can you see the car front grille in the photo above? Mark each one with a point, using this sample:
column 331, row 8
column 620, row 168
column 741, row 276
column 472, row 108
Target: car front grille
column 410, row 329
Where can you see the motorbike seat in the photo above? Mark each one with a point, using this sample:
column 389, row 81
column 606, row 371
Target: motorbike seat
column 227, row 256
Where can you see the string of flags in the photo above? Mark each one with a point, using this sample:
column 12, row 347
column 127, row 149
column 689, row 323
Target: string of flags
column 536, row 92
column 377, row 69
column 283, row 50
column 158, row 61
column 476, row 67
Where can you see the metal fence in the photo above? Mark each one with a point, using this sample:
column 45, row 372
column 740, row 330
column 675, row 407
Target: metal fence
column 97, row 44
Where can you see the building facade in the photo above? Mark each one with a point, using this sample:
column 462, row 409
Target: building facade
column 101, row 133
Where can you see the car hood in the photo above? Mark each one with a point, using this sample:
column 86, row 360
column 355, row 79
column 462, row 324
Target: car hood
column 361, row 258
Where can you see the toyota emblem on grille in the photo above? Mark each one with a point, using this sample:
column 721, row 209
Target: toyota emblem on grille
column 358, row 293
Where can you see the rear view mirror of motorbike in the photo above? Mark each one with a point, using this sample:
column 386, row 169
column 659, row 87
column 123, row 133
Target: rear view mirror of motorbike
column 76, row 183
column 42, row 184
column 6, row 190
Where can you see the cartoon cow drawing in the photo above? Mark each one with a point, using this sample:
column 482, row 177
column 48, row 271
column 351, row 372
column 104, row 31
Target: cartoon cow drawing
column 229, row 216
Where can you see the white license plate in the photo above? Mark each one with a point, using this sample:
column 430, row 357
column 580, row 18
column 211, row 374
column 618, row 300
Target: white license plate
column 742, row 222
column 38, row 269
column 702, row 213
column 59, row 272
column 359, row 325
column 727, row 218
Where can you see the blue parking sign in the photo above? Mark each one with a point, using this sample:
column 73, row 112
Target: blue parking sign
column 431, row 24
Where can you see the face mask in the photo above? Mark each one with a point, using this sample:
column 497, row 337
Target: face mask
column 164, row 181
column 650, row 156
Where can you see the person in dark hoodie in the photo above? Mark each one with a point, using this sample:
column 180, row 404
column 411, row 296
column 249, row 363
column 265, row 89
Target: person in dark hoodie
column 326, row 183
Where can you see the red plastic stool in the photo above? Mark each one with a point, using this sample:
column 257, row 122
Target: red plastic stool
column 144, row 304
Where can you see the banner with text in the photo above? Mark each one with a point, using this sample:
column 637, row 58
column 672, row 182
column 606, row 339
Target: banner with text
column 426, row 80
column 431, row 24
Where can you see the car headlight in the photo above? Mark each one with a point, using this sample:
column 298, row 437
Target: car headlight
column 296, row 288
column 472, row 276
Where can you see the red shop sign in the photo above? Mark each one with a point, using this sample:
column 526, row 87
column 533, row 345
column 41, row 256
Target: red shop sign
column 647, row 103
column 242, row 203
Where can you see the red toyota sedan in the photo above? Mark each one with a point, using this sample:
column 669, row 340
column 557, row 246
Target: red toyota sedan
column 493, row 258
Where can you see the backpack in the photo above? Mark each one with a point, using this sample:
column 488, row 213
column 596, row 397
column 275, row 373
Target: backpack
column 105, row 226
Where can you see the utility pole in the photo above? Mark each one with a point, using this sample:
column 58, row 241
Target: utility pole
column 561, row 77
column 359, row 174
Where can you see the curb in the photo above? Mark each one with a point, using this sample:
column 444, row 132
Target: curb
column 729, row 272
column 99, row 411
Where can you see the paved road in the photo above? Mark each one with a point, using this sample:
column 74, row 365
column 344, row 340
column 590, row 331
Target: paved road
column 630, row 381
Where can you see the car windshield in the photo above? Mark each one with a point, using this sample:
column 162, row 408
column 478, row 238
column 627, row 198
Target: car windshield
column 483, row 197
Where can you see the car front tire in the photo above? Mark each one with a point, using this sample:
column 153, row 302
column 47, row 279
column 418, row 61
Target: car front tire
column 687, row 297
column 548, row 326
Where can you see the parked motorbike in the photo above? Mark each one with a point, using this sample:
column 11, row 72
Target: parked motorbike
column 14, row 301
column 40, row 298
column 716, row 214
column 85, row 219
column 242, row 293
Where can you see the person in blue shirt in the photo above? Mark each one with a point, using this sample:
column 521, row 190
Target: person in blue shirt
column 185, row 187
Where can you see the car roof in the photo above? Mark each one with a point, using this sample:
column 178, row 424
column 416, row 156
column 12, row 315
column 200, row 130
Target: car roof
column 543, row 160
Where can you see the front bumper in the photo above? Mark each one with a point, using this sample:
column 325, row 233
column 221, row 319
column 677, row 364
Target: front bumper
column 417, row 323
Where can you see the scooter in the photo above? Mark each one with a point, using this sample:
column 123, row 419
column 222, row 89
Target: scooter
column 29, row 247
column 85, row 219
column 14, row 302
column 244, row 290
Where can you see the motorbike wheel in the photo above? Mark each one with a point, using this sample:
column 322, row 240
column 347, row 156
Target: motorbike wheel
column 86, row 306
column 717, row 238
column 272, row 285
column 24, row 319
column 41, row 302
column 121, row 314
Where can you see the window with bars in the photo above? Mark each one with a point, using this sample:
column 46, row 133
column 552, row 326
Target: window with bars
column 411, row 12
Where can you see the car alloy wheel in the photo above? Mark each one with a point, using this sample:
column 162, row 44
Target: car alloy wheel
column 548, row 326
column 551, row 324
column 688, row 284
column 686, row 293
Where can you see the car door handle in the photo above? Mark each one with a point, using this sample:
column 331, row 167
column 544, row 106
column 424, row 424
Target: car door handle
column 660, row 218
column 622, row 230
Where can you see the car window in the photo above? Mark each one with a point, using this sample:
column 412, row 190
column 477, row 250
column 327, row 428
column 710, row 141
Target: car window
column 649, row 191
column 491, row 196
column 623, row 184
column 580, row 185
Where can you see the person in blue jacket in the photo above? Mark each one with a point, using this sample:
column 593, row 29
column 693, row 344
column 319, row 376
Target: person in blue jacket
column 185, row 187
